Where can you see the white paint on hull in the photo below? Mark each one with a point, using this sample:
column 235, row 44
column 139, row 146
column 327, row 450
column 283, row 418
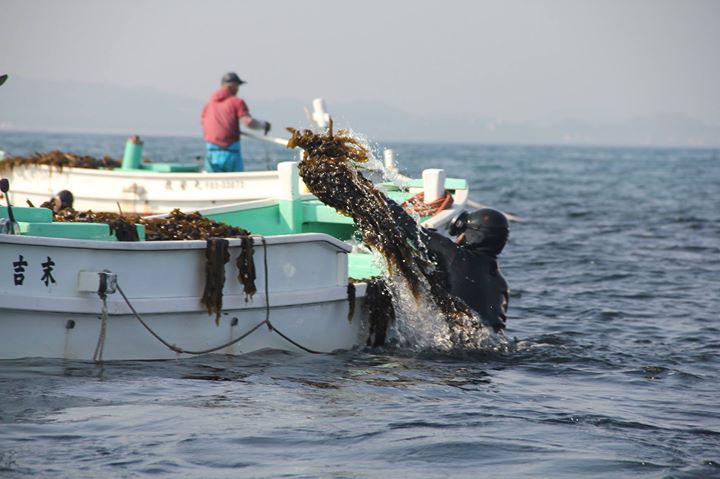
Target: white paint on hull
column 139, row 191
column 164, row 281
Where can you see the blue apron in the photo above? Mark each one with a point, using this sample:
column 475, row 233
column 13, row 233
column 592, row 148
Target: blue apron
column 223, row 159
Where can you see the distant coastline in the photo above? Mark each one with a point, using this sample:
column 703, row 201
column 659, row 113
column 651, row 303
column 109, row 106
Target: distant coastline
column 56, row 107
column 121, row 137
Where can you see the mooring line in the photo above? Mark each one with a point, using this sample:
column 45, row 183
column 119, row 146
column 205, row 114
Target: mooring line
column 267, row 304
column 102, row 336
column 177, row 349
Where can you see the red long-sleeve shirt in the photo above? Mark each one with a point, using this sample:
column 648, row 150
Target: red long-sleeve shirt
column 220, row 118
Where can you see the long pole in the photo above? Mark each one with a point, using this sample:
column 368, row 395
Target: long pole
column 477, row 206
column 269, row 139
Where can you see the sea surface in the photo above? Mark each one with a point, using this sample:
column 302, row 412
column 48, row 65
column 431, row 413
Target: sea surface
column 613, row 369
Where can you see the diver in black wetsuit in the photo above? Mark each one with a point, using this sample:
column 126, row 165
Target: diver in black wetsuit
column 469, row 267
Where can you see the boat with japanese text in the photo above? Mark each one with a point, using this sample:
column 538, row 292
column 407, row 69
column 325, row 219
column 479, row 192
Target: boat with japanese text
column 72, row 290
column 136, row 185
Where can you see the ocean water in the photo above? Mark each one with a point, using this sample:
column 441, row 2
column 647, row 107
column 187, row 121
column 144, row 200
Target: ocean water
column 614, row 371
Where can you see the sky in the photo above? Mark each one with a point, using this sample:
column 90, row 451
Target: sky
column 537, row 61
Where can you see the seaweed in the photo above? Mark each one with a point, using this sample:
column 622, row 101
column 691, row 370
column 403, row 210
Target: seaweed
column 188, row 226
column 179, row 226
column 380, row 311
column 351, row 293
column 121, row 226
column 216, row 256
column 246, row 267
column 330, row 169
column 59, row 160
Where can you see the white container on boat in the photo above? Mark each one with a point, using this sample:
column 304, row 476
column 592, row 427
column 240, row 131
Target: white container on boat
column 289, row 179
column 433, row 184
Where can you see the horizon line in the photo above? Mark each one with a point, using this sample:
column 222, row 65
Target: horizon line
column 416, row 142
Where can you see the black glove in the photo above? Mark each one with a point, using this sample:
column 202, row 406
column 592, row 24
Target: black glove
column 267, row 127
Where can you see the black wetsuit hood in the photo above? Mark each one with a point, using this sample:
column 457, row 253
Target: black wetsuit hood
column 486, row 230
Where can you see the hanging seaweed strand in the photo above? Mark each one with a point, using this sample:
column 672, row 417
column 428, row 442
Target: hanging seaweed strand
column 330, row 170
column 216, row 256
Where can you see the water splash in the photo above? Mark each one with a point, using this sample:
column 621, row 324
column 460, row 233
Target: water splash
column 420, row 325
column 427, row 315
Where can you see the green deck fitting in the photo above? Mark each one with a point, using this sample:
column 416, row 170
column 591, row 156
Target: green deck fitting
column 262, row 221
column 30, row 215
column 362, row 266
column 450, row 184
column 140, row 232
column 171, row 167
column 291, row 215
column 342, row 232
column 93, row 231
column 320, row 218
column 314, row 211
column 399, row 197
column 133, row 154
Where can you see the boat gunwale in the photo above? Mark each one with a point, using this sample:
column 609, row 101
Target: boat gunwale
column 270, row 240
column 145, row 173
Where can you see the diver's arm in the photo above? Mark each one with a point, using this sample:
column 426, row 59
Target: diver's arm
column 439, row 245
column 402, row 218
column 436, row 243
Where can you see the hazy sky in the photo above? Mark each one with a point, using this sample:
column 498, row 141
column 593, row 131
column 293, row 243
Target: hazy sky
column 531, row 60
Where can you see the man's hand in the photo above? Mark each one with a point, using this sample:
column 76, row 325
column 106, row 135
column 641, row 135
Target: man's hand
column 267, row 127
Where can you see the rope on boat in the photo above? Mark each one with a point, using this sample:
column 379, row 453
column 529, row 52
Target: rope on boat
column 267, row 305
column 180, row 350
column 97, row 357
column 417, row 204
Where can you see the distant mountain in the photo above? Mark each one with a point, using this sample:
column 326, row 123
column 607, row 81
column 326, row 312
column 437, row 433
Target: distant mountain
column 34, row 105
column 383, row 123
column 77, row 107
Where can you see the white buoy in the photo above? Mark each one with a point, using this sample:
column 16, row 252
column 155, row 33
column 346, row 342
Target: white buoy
column 289, row 180
column 433, row 184
column 320, row 115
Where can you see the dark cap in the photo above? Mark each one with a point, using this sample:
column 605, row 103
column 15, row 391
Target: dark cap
column 232, row 78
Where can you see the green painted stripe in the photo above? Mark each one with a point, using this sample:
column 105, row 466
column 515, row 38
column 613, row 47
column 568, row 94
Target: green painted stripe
column 362, row 266
column 450, row 184
column 31, row 215
column 93, row 231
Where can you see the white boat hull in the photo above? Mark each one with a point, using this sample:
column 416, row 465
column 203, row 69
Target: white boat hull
column 318, row 327
column 164, row 281
column 139, row 191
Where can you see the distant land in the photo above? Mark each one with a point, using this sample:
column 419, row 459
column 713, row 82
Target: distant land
column 49, row 106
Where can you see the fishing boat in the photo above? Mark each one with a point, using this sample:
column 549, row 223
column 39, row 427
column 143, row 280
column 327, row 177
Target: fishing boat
column 295, row 211
column 71, row 290
column 137, row 186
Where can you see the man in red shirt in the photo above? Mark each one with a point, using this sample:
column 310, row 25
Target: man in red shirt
column 221, row 128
